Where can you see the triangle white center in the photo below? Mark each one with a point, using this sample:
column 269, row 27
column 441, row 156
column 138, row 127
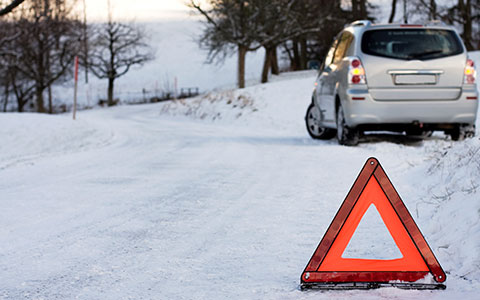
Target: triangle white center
column 371, row 239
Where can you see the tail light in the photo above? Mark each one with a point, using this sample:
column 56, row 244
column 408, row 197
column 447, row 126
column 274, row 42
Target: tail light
column 356, row 72
column 470, row 72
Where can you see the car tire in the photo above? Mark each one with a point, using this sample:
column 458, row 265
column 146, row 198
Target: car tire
column 460, row 133
column 345, row 135
column 456, row 134
column 312, row 119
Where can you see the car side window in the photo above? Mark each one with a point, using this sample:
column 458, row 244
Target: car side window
column 343, row 45
column 331, row 51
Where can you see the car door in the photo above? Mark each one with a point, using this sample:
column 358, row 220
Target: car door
column 330, row 76
column 334, row 76
column 322, row 79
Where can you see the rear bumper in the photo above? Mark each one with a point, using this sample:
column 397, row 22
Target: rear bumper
column 442, row 112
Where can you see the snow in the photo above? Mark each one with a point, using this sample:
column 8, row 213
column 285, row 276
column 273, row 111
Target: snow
column 367, row 246
column 220, row 196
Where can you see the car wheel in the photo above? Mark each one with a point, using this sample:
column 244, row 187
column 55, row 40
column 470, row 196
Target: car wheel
column 456, row 134
column 345, row 135
column 312, row 120
column 460, row 133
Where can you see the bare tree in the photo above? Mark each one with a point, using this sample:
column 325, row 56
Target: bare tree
column 277, row 24
column 46, row 46
column 13, row 82
column 116, row 47
column 230, row 25
column 19, row 84
column 318, row 21
column 247, row 25
column 464, row 13
column 43, row 41
column 464, row 16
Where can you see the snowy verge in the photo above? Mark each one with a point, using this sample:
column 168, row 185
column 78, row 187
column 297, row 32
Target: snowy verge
column 227, row 105
column 450, row 201
column 26, row 137
column 262, row 105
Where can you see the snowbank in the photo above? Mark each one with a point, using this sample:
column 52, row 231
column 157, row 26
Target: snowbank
column 257, row 106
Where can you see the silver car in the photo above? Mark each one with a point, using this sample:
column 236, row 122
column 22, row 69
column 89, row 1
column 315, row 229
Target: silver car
column 403, row 78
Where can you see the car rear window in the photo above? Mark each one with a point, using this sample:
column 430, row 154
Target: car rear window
column 407, row 44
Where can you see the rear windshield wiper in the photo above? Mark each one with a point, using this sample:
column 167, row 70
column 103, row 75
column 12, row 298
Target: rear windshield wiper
column 422, row 54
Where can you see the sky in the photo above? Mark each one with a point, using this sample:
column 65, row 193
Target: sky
column 140, row 10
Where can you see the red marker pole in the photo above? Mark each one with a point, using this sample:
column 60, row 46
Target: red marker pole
column 75, row 89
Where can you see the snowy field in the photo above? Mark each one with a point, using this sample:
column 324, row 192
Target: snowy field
column 222, row 196
column 177, row 57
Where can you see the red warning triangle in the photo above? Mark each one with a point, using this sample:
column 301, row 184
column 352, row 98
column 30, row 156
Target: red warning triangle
column 372, row 187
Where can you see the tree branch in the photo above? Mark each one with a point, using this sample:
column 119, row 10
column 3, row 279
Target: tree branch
column 10, row 7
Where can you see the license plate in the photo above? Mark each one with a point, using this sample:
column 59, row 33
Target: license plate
column 415, row 79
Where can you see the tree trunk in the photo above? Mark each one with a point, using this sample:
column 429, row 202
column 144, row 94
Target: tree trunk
column 433, row 10
column 289, row 54
column 355, row 13
column 296, row 56
column 6, row 95
column 266, row 64
column 359, row 9
column 466, row 11
column 392, row 12
column 242, row 53
column 20, row 104
column 48, row 75
column 39, row 95
column 110, row 101
column 50, row 102
column 303, row 54
column 49, row 87
column 274, row 62
column 363, row 9
column 85, row 40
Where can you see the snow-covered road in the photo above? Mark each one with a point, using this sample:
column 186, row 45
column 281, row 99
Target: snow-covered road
column 142, row 202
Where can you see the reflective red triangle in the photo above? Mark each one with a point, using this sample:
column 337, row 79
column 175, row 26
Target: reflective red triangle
column 372, row 186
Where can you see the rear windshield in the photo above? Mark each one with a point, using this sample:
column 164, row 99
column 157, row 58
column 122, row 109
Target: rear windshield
column 410, row 44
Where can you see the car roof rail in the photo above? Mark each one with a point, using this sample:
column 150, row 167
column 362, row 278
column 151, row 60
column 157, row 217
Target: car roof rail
column 365, row 23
